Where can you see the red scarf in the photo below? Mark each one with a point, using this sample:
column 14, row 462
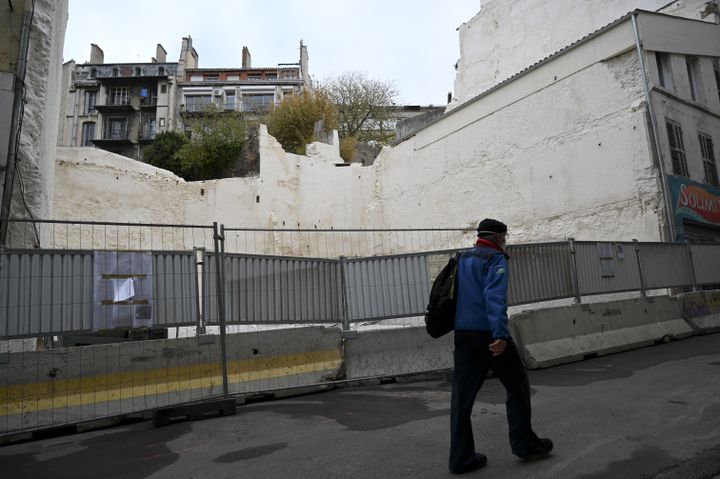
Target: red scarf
column 488, row 243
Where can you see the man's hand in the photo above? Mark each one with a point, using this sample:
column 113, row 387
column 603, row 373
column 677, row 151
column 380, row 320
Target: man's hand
column 498, row 347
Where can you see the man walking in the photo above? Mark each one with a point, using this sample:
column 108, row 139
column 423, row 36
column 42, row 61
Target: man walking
column 482, row 342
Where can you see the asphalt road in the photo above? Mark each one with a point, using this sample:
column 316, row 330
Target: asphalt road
column 650, row 413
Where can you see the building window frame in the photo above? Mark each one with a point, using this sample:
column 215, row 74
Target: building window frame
column 230, row 100
column 198, row 103
column 692, row 64
column 88, row 133
column 664, row 70
column 707, row 152
column 257, row 102
column 716, row 69
column 677, row 148
column 90, row 102
column 120, row 95
column 116, row 128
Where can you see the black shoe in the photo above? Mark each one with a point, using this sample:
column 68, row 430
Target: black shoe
column 479, row 461
column 538, row 449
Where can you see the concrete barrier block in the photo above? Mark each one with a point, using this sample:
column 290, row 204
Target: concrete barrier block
column 549, row 337
column 283, row 358
column 701, row 310
column 390, row 352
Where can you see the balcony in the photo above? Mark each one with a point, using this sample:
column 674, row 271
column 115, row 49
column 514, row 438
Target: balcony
column 113, row 137
column 148, row 102
column 118, row 104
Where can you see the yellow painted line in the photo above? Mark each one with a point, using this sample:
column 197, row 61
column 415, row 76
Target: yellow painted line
column 62, row 393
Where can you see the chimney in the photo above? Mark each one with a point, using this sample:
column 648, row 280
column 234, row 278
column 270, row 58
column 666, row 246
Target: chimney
column 188, row 56
column 246, row 59
column 160, row 54
column 97, row 57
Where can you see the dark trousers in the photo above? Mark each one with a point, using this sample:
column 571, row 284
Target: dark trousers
column 472, row 361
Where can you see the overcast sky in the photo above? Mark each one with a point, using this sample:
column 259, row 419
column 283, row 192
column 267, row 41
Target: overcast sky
column 413, row 43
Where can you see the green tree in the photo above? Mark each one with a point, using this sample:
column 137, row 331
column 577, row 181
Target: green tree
column 363, row 106
column 293, row 122
column 216, row 140
column 162, row 151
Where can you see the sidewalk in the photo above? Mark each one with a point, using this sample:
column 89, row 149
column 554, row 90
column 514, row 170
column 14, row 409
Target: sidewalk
column 648, row 413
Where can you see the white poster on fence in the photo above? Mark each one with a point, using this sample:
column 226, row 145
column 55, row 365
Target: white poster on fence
column 123, row 293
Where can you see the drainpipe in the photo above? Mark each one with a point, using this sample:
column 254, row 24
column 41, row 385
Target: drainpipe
column 653, row 123
column 15, row 124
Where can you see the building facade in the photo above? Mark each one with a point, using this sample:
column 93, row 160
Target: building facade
column 247, row 89
column 121, row 107
column 118, row 107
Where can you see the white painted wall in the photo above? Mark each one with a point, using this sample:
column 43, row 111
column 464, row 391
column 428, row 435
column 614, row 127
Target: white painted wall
column 507, row 36
column 42, row 112
column 558, row 163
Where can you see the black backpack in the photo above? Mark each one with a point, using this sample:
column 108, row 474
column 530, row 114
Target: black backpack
column 440, row 316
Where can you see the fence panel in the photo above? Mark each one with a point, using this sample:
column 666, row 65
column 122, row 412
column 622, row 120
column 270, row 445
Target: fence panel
column 45, row 292
column 706, row 261
column 275, row 290
column 605, row 267
column 540, row 272
column 175, row 298
column 665, row 265
column 387, row 287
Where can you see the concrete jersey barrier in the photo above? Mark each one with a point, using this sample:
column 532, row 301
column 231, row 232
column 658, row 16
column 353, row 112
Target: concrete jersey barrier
column 701, row 310
column 548, row 337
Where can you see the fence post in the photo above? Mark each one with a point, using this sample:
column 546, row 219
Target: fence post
column 692, row 267
column 219, row 241
column 574, row 271
column 346, row 332
column 639, row 263
column 200, row 290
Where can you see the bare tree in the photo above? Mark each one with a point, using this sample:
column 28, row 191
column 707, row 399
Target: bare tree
column 362, row 105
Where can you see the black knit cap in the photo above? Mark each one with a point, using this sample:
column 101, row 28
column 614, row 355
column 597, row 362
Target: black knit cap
column 489, row 225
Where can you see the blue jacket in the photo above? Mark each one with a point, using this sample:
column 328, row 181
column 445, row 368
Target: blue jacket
column 482, row 283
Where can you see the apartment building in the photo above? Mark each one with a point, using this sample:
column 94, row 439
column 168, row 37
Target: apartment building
column 247, row 89
column 118, row 107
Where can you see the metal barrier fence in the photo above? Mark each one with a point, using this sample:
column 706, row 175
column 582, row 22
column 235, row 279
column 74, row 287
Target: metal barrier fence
column 158, row 286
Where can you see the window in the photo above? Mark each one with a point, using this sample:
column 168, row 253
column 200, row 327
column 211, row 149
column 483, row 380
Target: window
column 116, row 129
column 258, row 103
column 88, row 133
column 212, row 77
column 197, row 103
column 716, row 67
column 149, row 130
column 90, row 97
column 114, row 72
column 693, row 72
column 120, row 95
column 677, row 148
column 233, row 77
column 93, row 72
column 230, row 100
column 288, row 74
column 196, row 78
column 708, row 155
column 271, row 76
column 664, row 70
column 138, row 71
column 163, row 89
column 254, row 77
column 161, row 71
